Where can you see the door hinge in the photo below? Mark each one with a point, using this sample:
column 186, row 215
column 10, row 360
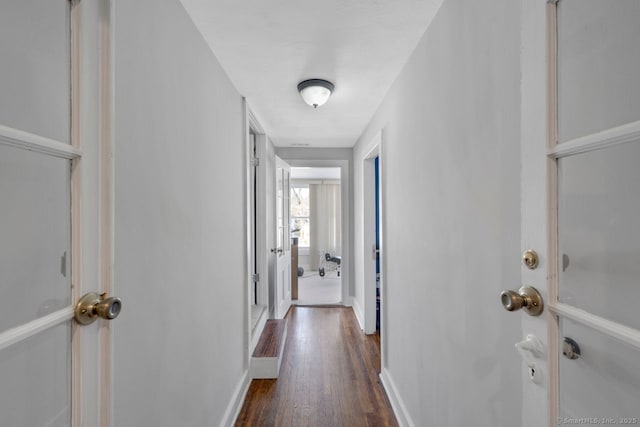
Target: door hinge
column 255, row 277
column 255, row 162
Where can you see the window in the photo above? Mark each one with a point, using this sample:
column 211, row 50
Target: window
column 300, row 215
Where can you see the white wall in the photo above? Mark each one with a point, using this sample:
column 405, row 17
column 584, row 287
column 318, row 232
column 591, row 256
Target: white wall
column 451, row 220
column 180, row 345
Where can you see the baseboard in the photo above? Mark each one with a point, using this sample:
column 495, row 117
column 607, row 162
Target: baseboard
column 265, row 367
column 268, row 367
column 399, row 409
column 237, row 399
column 348, row 302
column 357, row 310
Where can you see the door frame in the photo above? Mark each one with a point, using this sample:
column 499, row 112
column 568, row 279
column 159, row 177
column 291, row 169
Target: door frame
column 368, row 235
column 256, row 244
column 345, row 203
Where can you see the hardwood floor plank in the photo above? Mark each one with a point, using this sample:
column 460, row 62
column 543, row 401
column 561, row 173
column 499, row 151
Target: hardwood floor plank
column 328, row 377
column 271, row 338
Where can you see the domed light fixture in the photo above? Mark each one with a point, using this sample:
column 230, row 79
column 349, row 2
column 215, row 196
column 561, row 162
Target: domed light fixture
column 315, row 92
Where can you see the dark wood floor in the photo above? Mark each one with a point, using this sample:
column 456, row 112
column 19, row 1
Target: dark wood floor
column 329, row 376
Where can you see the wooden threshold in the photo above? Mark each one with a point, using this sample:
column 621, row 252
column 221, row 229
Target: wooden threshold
column 267, row 356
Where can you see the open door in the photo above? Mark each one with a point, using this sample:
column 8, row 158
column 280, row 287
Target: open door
column 581, row 202
column 54, row 214
column 283, row 239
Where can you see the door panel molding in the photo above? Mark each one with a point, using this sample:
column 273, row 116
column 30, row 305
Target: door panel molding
column 40, row 144
column 629, row 132
column 22, row 332
column 626, row 334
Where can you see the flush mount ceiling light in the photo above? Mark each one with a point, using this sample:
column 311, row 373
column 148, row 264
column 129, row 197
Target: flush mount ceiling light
column 315, row 92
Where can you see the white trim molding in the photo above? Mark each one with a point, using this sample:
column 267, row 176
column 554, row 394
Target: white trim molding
column 597, row 141
column 78, row 353
column 29, row 141
column 22, row 332
column 236, row 401
column 399, row 408
column 622, row 333
column 357, row 310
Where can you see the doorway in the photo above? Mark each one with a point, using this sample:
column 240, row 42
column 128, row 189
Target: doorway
column 257, row 265
column 316, row 226
column 372, row 237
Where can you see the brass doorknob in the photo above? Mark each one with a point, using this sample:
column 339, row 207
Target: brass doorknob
column 93, row 305
column 527, row 298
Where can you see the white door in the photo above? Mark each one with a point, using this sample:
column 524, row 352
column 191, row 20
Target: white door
column 581, row 204
column 283, row 239
column 48, row 227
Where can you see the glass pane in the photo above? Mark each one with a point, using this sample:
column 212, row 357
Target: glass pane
column 302, row 227
column 36, row 377
column 598, row 65
column 35, row 67
column 300, row 201
column 34, row 235
column 603, row 384
column 598, row 232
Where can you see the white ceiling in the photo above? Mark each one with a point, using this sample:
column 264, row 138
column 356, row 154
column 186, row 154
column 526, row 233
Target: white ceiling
column 268, row 46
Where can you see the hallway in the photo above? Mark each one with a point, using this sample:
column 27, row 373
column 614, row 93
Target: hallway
column 329, row 376
column 143, row 165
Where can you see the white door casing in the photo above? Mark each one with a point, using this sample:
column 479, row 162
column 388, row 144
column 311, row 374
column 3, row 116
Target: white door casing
column 257, row 223
column 369, row 231
column 306, row 160
column 55, row 135
column 282, row 251
column 580, row 144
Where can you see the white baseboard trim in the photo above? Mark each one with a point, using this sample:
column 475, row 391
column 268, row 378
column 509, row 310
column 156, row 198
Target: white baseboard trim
column 348, row 302
column 399, row 409
column 268, row 367
column 237, row 399
column 357, row 310
column 265, row 367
